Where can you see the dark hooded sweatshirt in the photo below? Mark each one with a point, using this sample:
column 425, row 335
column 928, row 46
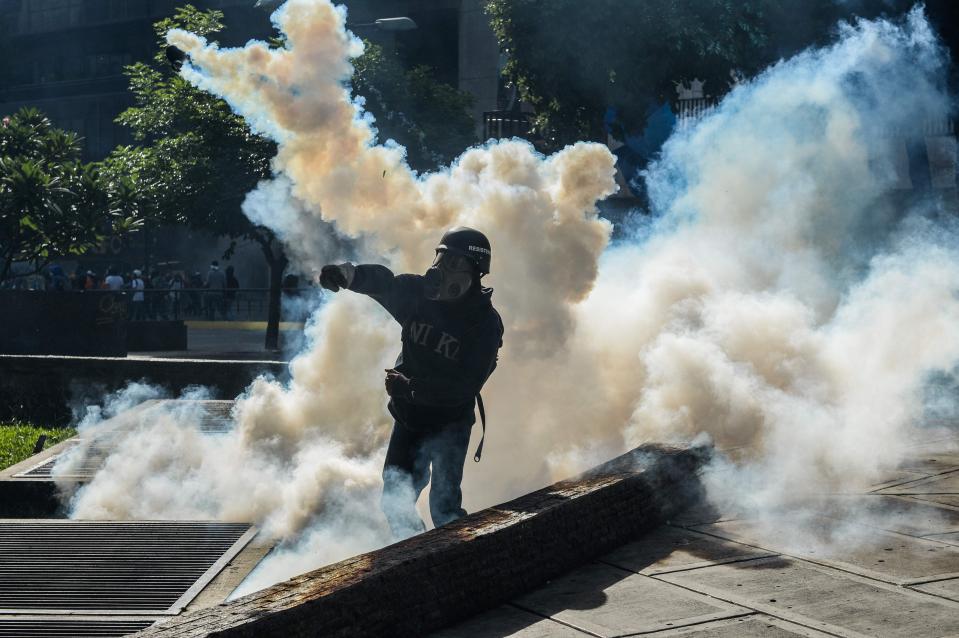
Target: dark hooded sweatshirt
column 449, row 349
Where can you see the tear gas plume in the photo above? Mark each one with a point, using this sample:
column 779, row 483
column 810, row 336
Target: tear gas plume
column 778, row 301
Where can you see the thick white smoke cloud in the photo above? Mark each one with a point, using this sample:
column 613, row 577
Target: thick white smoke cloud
column 779, row 302
column 804, row 314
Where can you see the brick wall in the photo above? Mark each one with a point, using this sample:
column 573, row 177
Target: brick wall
column 445, row 575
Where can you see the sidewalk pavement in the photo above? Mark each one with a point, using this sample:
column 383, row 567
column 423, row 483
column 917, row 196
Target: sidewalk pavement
column 236, row 340
column 891, row 568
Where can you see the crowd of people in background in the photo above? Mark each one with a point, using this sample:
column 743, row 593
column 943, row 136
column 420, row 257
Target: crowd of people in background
column 156, row 294
column 170, row 294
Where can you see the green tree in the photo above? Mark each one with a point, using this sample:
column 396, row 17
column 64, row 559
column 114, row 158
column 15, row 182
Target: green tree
column 571, row 60
column 51, row 204
column 196, row 160
column 431, row 119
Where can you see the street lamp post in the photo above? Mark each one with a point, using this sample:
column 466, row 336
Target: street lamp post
column 387, row 24
column 176, row 57
column 401, row 23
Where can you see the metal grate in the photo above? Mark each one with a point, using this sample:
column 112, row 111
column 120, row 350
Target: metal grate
column 216, row 414
column 56, row 628
column 215, row 419
column 90, row 463
column 54, row 566
column 44, row 470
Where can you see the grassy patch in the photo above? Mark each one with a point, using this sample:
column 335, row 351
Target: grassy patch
column 18, row 439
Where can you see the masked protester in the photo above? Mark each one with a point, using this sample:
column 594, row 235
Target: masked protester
column 450, row 335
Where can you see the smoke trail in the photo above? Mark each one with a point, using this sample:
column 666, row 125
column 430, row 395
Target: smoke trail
column 812, row 312
column 303, row 461
column 781, row 301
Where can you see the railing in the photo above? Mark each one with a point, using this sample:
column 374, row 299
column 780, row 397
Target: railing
column 205, row 304
column 500, row 124
column 928, row 127
column 688, row 112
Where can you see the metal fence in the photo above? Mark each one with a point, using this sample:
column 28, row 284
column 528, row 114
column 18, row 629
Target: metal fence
column 688, row 112
column 204, row 304
column 505, row 124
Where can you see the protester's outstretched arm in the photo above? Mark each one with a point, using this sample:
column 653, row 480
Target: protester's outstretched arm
column 393, row 292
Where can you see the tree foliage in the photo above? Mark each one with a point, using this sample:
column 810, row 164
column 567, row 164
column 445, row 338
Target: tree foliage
column 431, row 119
column 195, row 159
column 571, row 60
column 52, row 204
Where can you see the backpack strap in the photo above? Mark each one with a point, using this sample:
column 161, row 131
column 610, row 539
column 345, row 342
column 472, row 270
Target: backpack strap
column 482, row 411
column 479, row 398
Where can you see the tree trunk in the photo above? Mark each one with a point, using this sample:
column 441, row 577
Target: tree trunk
column 277, row 261
column 8, row 257
column 597, row 128
column 277, row 266
column 7, row 265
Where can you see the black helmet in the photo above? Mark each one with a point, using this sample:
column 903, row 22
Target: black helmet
column 470, row 243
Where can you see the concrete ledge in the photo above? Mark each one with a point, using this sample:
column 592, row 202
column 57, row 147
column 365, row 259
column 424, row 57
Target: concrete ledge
column 438, row 578
column 258, row 326
column 68, row 322
column 32, row 498
column 28, row 489
column 41, row 388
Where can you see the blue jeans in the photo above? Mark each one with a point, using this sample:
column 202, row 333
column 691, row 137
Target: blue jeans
column 409, row 459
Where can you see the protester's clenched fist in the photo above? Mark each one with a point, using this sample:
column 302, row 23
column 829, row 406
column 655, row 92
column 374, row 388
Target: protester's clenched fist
column 332, row 277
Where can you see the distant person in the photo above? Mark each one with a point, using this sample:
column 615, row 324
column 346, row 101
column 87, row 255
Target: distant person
column 216, row 287
column 113, row 280
column 137, row 302
column 156, row 301
column 90, row 281
column 161, row 284
column 229, row 297
column 147, row 295
column 194, row 284
column 76, row 280
column 176, row 285
column 58, row 278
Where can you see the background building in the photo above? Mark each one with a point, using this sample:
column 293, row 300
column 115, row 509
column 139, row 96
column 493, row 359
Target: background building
column 66, row 57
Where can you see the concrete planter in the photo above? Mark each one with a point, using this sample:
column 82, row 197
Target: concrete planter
column 63, row 323
column 43, row 388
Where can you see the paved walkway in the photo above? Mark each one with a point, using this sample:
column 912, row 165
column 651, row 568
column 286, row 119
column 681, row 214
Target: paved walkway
column 233, row 340
column 893, row 572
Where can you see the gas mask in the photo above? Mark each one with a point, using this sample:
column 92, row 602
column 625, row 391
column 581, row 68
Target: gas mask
column 449, row 278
